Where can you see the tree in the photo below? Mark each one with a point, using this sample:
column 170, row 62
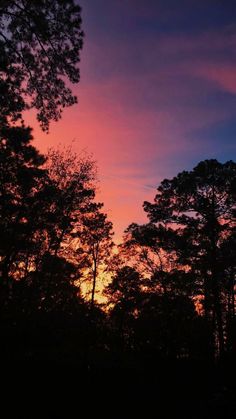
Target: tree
column 124, row 294
column 199, row 207
column 40, row 201
column 148, row 322
column 75, row 178
column 165, row 326
column 150, row 249
column 228, row 271
column 40, row 42
column 124, row 288
column 95, row 245
column 22, row 183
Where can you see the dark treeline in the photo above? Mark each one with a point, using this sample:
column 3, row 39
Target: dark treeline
column 166, row 321
column 171, row 283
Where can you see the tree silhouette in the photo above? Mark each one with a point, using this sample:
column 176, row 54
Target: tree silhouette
column 200, row 207
column 95, row 245
column 38, row 212
column 75, row 178
column 151, row 250
column 124, row 295
column 40, row 42
column 22, row 182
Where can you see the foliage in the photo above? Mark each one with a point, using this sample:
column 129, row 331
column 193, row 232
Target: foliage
column 199, row 206
column 40, row 42
column 186, row 255
column 171, row 286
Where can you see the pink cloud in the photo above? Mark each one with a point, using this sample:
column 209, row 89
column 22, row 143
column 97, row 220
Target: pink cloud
column 224, row 76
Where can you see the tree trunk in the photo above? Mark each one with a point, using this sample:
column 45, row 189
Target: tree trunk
column 219, row 322
column 214, row 236
column 94, row 283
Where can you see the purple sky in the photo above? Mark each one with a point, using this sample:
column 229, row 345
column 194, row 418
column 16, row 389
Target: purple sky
column 157, row 95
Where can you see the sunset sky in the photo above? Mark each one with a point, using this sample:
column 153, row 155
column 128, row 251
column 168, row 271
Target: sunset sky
column 157, row 95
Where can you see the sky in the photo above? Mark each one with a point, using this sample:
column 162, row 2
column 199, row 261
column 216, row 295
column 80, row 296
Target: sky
column 157, row 95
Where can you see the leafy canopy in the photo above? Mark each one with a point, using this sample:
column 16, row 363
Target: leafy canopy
column 40, row 42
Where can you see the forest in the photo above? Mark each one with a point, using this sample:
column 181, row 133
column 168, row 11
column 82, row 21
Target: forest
column 71, row 299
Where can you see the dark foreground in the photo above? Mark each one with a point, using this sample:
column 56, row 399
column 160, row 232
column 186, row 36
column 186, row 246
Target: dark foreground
column 182, row 389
